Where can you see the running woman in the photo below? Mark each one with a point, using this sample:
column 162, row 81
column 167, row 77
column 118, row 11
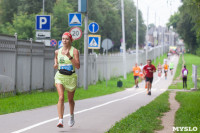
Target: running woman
column 184, row 76
column 159, row 69
column 66, row 60
column 171, row 67
column 141, row 72
column 148, row 71
column 136, row 74
column 165, row 69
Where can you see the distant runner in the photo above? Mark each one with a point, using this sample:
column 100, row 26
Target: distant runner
column 171, row 67
column 165, row 69
column 141, row 72
column 184, row 76
column 136, row 74
column 159, row 69
column 148, row 71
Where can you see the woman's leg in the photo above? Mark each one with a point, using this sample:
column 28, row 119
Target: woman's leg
column 71, row 101
column 60, row 105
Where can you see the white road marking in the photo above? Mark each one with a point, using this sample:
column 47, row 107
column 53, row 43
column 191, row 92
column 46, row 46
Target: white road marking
column 78, row 112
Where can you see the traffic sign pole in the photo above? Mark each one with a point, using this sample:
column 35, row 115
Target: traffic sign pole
column 85, row 72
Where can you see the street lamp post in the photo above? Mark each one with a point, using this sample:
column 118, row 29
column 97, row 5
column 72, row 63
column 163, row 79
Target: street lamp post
column 123, row 39
column 137, row 33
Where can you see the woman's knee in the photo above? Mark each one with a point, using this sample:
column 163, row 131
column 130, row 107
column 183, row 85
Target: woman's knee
column 61, row 98
column 71, row 100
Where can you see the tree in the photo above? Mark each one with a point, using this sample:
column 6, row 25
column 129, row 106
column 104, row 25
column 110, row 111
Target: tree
column 7, row 10
column 23, row 25
column 187, row 23
column 35, row 6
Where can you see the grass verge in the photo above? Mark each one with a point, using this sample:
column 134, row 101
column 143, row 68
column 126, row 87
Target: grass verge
column 188, row 113
column 34, row 100
column 189, row 60
column 179, row 67
column 144, row 120
column 39, row 99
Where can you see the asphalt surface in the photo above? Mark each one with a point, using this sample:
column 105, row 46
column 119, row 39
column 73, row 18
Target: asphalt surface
column 94, row 115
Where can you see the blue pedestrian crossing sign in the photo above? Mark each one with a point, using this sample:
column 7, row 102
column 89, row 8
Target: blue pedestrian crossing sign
column 93, row 27
column 94, row 41
column 60, row 44
column 43, row 22
column 74, row 19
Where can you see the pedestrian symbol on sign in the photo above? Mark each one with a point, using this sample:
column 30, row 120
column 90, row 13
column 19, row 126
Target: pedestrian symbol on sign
column 94, row 41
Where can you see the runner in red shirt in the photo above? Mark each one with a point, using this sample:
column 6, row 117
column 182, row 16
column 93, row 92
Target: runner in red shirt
column 148, row 71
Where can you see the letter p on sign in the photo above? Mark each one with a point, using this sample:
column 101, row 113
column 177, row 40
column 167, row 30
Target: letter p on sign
column 43, row 22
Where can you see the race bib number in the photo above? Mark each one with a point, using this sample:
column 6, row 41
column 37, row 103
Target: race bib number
column 136, row 71
column 68, row 67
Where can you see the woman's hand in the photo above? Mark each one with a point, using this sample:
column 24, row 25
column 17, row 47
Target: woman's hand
column 55, row 66
column 67, row 53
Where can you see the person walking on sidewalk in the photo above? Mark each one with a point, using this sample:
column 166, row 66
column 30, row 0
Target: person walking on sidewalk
column 165, row 69
column 66, row 60
column 171, row 67
column 148, row 71
column 136, row 74
column 184, row 76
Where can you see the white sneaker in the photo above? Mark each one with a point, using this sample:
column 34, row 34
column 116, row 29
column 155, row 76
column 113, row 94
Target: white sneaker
column 60, row 123
column 71, row 120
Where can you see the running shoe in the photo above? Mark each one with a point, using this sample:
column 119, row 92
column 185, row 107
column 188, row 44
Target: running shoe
column 60, row 124
column 71, row 121
column 149, row 93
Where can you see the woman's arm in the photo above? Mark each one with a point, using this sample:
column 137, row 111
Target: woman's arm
column 56, row 60
column 75, row 61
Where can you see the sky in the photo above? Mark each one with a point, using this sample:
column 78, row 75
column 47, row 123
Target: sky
column 162, row 9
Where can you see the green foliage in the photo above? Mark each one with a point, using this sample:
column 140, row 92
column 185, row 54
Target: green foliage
column 23, row 25
column 173, row 20
column 107, row 13
column 7, row 10
column 186, row 23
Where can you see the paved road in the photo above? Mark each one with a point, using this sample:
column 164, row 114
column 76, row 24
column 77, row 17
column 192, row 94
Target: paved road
column 94, row 115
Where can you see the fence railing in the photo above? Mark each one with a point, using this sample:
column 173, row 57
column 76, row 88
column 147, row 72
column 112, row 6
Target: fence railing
column 27, row 66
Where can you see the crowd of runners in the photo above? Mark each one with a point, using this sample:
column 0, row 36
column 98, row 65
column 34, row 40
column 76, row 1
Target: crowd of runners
column 146, row 72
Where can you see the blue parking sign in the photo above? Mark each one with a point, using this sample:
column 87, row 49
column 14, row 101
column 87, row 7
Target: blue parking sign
column 43, row 22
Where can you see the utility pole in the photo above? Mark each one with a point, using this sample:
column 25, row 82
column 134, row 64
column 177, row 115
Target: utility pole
column 43, row 6
column 123, row 39
column 85, row 72
column 155, row 36
column 137, row 33
column 147, row 34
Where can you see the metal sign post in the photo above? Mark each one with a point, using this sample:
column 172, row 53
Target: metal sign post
column 85, row 72
column 107, row 44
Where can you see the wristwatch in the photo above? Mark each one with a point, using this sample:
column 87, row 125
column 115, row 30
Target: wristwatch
column 71, row 58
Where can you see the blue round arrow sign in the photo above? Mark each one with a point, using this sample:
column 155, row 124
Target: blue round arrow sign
column 93, row 27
